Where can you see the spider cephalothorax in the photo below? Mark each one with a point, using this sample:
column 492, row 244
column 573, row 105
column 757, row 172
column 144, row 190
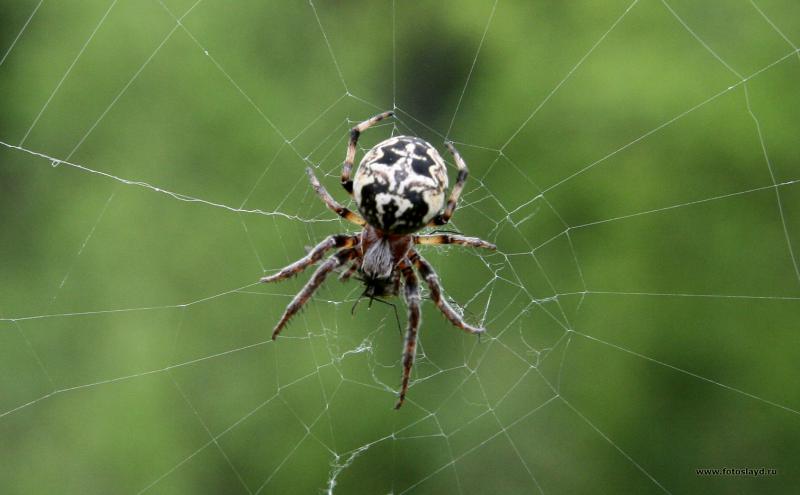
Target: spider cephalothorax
column 399, row 189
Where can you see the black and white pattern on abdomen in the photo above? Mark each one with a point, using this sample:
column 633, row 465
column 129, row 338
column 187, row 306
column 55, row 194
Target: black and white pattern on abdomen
column 400, row 184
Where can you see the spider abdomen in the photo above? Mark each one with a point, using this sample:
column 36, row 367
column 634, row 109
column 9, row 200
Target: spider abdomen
column 400, row 184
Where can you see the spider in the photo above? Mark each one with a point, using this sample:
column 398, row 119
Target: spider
column 399, row 188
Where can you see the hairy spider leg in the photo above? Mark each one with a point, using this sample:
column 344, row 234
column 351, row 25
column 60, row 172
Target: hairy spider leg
column 411, row 295
column 463, row 173
column 432, row 280
column 350, row 157
column 336, row 260
column 314, row 255
column 351, row 270
column 453, row 239
column 331, row 203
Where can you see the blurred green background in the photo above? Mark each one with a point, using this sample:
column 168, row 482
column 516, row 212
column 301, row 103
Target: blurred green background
column 636, row 163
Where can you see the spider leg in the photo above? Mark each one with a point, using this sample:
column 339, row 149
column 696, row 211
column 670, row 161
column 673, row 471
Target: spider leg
column 444, row 217
column 411, row 295
column 429, row 275
column 338, row 259
column 351, row 270
column 331, row 203
column 355, row 132
column 314, row 255
column 453, row 239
